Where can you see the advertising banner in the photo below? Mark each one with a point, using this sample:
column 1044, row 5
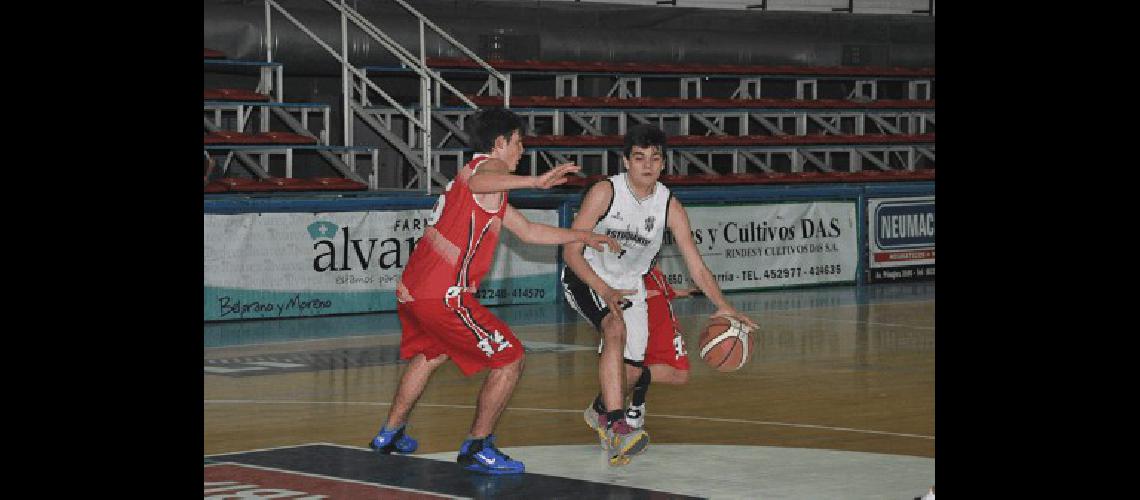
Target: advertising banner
column 272, row 265
column 900, row 238
column 767, row 246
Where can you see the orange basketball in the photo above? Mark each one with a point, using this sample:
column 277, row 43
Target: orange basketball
column 726, row 344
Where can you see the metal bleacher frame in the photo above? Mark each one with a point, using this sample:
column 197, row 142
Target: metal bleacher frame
column 774, row 121
column 801, row 119
column 270, row 83
column 430, row 133
column 748, row 85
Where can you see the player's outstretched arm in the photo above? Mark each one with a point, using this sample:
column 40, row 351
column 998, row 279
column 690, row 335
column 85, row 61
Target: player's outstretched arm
column 493, row 176
column 542, row 234
column 594, row 206
column 682, row 234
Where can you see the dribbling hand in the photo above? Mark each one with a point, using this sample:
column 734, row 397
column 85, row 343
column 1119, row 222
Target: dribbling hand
column 729, row 312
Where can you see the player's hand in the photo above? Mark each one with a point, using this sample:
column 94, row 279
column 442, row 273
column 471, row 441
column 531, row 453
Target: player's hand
column 599, row 242
column 555, row 176
column 615, row 299
column 685, row 292
column 730, row 312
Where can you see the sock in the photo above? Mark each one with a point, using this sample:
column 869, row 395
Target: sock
column 614, row 416
column 599, row 406
column 641, row 387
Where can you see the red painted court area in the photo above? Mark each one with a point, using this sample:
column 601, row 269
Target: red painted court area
column 235, row 481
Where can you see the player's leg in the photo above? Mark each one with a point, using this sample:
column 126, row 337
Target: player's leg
column 493, row 396
column 624, row 440
column 591, row 307
column 610, row 366
column 425, row 355
column 667, row 374
column 478, row 452
column 498, row 349
column 412, row 385
column 614, row 434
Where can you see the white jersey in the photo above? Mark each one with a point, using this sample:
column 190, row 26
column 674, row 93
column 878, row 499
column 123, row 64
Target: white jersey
column 639, row 227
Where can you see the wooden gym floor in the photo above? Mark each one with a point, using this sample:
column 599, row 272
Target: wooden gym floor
column 837, row 369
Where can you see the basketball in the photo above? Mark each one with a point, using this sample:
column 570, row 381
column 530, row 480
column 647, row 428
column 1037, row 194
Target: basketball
column 726, row 344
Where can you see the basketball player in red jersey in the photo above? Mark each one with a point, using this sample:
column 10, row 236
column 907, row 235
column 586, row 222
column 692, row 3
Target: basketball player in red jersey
column 440, row 317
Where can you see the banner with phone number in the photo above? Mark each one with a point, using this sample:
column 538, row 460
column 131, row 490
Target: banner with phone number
column 769, row 246
column 272, row 265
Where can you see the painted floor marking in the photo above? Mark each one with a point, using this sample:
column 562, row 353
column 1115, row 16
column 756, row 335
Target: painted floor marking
column 323, row 476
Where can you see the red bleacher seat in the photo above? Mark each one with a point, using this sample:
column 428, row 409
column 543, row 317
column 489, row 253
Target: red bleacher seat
column 232, row 137
column 214, row 54
column 334, row 184
column 275, row 184
column 283, row 138
column 226, row 137
column 243, row 185
column 228, row 184
column 233, row 95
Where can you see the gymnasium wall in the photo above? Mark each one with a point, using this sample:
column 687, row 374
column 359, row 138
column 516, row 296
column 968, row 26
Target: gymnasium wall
column 311, row 256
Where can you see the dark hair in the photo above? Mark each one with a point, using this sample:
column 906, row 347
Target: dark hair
column 644, row 136
column 487, row 124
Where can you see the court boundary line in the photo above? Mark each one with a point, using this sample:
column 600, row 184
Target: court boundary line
column 559, row 410
column 332, row 478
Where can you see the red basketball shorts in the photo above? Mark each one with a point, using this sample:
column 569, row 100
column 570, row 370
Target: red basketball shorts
column 666, row 346
column 461, row 328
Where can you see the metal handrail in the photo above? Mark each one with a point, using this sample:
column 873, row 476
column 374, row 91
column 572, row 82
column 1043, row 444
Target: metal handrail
column 346, row 68
column 418, row 65
column 424, row 20
column 336, row 56
column 400, row 52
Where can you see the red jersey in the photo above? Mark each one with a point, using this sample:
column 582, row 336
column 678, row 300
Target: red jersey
column 457, row 247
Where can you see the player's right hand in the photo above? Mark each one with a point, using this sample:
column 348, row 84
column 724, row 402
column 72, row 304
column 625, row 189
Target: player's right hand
column 555, row 176
column 615, row 299
column 599, row 242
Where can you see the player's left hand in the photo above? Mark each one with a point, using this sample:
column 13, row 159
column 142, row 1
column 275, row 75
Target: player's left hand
column 685, row 292
column 555, row 176
column 729, row 312
column 599, row 242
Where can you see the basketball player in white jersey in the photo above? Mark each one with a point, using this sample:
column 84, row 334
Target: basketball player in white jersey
column 608, row 288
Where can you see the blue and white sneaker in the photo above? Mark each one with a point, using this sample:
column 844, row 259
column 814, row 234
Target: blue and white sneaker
column 387, row 441
column 481, row 455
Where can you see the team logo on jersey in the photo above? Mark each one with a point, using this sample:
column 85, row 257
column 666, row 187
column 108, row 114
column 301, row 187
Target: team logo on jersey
column 649, row 222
